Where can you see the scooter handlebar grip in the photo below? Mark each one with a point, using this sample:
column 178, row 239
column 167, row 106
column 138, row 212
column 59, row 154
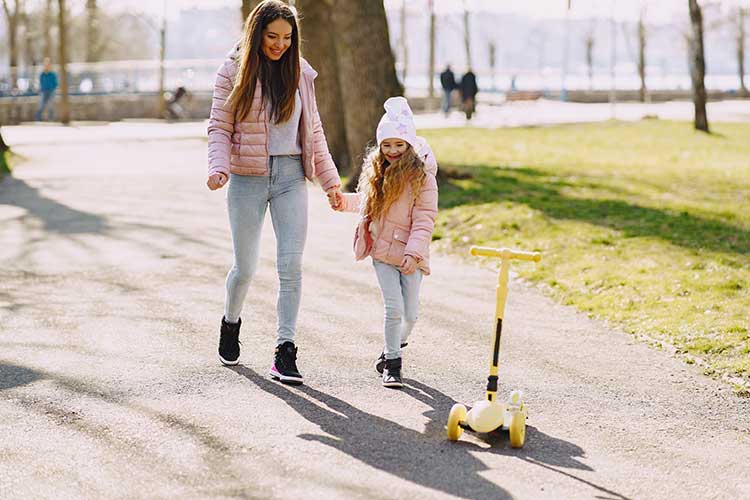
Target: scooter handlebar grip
column 506, row 253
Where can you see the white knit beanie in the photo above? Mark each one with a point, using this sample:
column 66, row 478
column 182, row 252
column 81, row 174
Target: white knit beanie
column 397, row 122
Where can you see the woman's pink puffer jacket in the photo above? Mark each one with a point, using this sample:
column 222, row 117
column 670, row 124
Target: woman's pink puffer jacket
column 242, row 147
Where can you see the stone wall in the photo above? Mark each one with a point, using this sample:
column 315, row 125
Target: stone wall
column 14, row 110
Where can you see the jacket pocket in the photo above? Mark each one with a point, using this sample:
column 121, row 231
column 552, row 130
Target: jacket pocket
column 398, row 246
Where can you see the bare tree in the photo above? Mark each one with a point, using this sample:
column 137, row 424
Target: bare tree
column 492, row 50
column 642, row 52
column 741, row 15
column 13, row 19
column 93, row 41
column 431, row 65
column 29, row 36
column 467, row 36
column 589, row 45
column 320, row 51
column 47, row 23
column 404, row 44
column 698, row 66
column 63, row 61
column 364, row 87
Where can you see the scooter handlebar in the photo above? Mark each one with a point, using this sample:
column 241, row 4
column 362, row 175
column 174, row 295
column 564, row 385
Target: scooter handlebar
column 506, row 253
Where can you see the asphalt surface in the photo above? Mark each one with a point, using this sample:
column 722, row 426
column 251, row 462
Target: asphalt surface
column 112, row 268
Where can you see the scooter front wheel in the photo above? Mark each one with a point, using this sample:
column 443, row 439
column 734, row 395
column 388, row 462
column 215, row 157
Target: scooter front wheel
column 517, row 429
column 455, row 417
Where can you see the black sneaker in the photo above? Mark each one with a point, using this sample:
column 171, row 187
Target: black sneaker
column 392, row 373
column 380, row 362
column 229, row 342
column 285, row 364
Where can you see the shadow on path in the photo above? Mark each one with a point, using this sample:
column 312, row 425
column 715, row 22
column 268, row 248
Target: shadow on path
column 55, row 216
column 540, row 449
column 427, row 458
column 385, row 445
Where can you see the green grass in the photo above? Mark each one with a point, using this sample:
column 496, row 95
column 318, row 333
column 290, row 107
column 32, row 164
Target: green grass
column 4, row 165
column 645, row 224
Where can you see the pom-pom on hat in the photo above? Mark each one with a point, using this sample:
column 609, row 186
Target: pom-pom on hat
column 397, row 122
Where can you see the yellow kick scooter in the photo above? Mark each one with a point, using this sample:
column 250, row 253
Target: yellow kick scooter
column 489, row 414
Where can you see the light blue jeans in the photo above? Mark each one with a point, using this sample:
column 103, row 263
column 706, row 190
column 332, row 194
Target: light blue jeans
column 46, row 101
column 401, row 300
column 285, row 192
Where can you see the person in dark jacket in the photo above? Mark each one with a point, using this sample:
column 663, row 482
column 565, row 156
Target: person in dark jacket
column 469, row 91
column 448, row 82
column 47, row 86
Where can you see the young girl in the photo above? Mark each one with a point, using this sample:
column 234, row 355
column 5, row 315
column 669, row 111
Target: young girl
column 265, row 138
column 397, row 198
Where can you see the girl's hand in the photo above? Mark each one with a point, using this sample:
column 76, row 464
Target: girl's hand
column 335, row 198
column 216, row 181
column 408, row 265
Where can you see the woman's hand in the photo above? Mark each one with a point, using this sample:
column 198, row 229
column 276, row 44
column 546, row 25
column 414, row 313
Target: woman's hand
column 216, row 181
column 408, row 265
column 335, row 198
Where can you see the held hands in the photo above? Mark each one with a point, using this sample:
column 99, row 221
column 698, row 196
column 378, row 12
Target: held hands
column 216, row 181
column 408, row 265
column 335, row 198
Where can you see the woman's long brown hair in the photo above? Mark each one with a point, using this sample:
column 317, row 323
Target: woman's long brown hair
column 279, row 79
column 383, row 182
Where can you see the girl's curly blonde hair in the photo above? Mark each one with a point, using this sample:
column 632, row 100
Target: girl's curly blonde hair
column 383, row 182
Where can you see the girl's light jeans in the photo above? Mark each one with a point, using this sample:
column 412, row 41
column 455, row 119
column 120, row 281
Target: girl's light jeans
column 401, row 300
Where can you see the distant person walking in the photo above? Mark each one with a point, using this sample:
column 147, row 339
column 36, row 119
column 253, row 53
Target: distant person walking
column 48, row 86
column 469, row 91
column 448, row 82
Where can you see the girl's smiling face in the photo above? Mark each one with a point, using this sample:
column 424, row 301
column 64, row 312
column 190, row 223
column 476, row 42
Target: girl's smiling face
column 392, row 149
column 277, row 38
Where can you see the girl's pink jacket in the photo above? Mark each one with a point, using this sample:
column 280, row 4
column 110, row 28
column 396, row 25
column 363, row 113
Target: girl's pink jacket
column 242, row 147
column 407, row 227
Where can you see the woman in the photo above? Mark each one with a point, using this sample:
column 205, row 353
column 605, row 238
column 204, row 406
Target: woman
column 265, row 138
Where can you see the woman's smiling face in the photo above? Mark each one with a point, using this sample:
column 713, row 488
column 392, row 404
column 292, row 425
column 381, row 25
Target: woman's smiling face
column 277, row 38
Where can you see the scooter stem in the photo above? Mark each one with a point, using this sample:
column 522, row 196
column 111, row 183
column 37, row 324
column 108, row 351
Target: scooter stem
column 501, row 293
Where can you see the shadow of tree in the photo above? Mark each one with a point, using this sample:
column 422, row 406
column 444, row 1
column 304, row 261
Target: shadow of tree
column 55, row 216
column 383, row 444
column 15, row 376
column 542, row 191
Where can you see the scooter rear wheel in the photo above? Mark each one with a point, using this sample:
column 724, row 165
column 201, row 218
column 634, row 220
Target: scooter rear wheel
column 517, row 429
column 455, row 417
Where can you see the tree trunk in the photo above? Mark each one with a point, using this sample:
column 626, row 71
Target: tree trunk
column 431, row 66
column 698, row 70
column 48, row 22
column 367, row 72
column 30, row 59
column 247, row 8
column 741, row 50
column 320, row 51
column 642, row 56
column 589, row 43
column 467, row 38
column 63, row 56
column 404, row 45
column 92, row 31
column 12, row 20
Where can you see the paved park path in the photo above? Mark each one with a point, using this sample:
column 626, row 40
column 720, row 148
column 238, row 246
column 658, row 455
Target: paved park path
column 112, row 263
